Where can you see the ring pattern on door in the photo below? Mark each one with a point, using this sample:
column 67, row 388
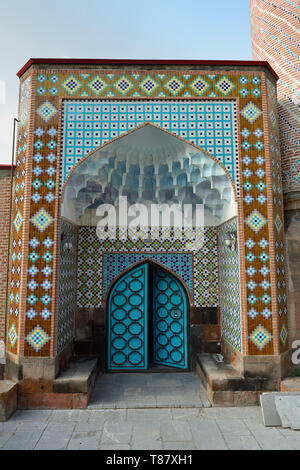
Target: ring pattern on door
column 169, row 320
column 130, row 300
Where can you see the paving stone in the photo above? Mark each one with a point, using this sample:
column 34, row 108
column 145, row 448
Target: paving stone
column 32, row 426
column 22, row 440
column 114, row 447
column 185, row 413
column 176, row 431
column 101, row 416
column 116, row 433
column 132, row 391
column 233, row 427
column 60, row 427
column 146, row 415
column 284, row 417
column 63, row 416
column 179, row 445
column 293, row 437
column 89, row 427
column 235, row 442
column 103, row 405
column 148, row 390
column 228, row 412
column 206, row 435
column 147, row 428
column 289, row 407
column 31, row 415
column 89, row 440
column 146, row 433
column 169, row 401
column 4, row 436
column 268, row 407
column 137, row 402
column 268, row 438
column 150, row 445
column 53, row 440
column 9, row 426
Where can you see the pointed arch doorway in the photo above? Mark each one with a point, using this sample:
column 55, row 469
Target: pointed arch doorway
column 147, row 320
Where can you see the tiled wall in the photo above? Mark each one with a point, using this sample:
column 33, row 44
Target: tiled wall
column 210, row 124
column 229, row 287
column 67, row 284
column 193, row 259
column 17, row 253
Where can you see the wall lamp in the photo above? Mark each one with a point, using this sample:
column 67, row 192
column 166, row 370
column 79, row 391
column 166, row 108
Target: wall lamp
column 66, row 242
column 230, row 240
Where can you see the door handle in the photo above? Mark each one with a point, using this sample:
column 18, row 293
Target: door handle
column 176, row 313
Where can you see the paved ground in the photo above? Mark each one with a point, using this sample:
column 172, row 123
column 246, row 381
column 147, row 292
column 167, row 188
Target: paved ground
column 167, row 428
column 151, row 390
column 145, row 411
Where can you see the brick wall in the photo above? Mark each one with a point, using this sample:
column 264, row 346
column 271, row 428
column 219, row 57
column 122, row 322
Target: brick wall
column 5, row 179
column 276, row 39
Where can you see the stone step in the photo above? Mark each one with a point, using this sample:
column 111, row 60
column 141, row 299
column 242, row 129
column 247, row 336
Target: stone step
column 8, row 398
column 290, row 384
column 79, row 377
column 225, row 386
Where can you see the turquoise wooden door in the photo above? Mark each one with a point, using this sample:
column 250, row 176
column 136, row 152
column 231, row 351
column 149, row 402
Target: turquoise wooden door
column 128, row 321
column 169, row 321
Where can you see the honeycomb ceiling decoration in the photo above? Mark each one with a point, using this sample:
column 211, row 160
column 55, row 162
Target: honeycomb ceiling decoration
column 148, row 166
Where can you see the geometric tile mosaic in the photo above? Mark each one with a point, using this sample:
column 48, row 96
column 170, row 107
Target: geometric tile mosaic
column 260, row 337
column 37, row 338
column 16, row 245
column 229, row 287
column 209, row 124
column 67, row 285
column 12, row 335
column 46, row 111
column 251, row 112
column 18, row 221
column 193, row 259
column 115, row 263
column 42, row 219
column 256, row 221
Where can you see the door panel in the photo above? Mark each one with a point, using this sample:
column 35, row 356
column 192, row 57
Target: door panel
column 169, row 320
column 128, row 321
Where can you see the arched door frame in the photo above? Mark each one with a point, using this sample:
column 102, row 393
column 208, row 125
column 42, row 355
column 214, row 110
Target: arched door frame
column 189, row 303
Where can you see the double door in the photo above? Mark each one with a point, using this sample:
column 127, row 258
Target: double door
column 147, row 320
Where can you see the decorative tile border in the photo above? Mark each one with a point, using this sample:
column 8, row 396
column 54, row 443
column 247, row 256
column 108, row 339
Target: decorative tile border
column 17, row 227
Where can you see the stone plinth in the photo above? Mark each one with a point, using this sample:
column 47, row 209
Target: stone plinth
column 8, row 399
